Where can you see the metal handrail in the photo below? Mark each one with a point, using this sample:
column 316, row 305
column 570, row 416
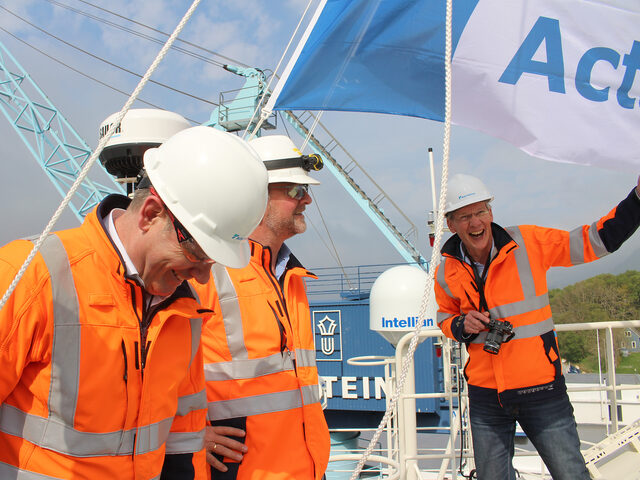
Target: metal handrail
column 408, row 454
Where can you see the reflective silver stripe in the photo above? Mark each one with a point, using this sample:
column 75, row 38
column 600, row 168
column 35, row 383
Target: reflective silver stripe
column 442, row 281
column 255, row 405
column 522, row 263
column 535, row 329
column 196, row 333
column 576, row 242
column 56, row 432
column 151, row 437
column 65, row 356
column 63, row 439
column 189, row 403
column 9, row 472
column 442, row 316
column 185, row 442
column 525, row 331
column 596, row 242
column 576, row 246
column 241, row 367
column 305, row 358
column 310, row 394
column 249, row 368
column 230, row 309
column 531, row 301
column 522, row 306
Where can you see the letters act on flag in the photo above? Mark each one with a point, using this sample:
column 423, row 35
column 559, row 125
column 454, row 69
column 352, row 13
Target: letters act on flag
column 559, row 79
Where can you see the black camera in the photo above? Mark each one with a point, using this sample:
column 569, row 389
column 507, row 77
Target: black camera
column 498, row 333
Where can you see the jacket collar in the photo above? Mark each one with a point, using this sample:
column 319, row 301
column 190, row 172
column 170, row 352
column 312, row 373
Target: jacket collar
column 261, row 255
column 95, row 228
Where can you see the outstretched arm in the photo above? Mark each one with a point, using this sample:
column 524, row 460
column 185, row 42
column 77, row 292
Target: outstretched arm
column 616, row 227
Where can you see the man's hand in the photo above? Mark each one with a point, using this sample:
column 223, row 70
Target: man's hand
column 216, row 440
column 475, row 322
column 638, row 188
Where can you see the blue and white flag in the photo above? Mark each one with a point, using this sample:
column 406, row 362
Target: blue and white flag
column 556, row 78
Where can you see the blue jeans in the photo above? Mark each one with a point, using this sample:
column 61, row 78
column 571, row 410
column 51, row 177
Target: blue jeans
column 548, row 423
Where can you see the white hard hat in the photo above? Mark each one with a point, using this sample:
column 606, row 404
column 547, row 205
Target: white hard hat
column 284, row 161
column 139, row 130
column 463, row 190
column 215, row 185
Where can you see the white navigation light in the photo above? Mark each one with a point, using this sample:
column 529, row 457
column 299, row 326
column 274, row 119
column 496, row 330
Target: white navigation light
column 395, row 301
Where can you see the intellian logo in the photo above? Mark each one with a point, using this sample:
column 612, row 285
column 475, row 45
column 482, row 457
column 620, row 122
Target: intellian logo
column 405, row 322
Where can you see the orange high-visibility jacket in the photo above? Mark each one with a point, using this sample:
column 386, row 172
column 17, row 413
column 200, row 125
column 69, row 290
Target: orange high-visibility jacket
column 260, row 369
column 514, row 288
column 87, row 392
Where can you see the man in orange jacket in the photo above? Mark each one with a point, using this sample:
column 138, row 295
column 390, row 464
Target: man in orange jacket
column 262, row 381
column 492, row 295
column 102, row 373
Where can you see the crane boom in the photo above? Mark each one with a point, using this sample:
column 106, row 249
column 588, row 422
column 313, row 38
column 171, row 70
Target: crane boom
column 50, row 138
column 61, row 152
column 240, row 114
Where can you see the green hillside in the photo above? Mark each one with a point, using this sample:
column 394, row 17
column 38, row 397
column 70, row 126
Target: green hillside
column 601, row 298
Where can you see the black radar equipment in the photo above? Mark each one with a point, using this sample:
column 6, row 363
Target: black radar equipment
column 139, row 130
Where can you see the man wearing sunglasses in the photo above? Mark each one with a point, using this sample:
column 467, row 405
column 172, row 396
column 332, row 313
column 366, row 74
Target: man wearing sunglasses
column 102, row 373
column 266, row 416
column 492, row 296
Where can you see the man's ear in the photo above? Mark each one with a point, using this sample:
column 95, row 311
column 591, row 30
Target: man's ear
column 451, row 228
column 151, row 211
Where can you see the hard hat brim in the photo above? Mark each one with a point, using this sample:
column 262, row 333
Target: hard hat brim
column 232, row 254
column 288, row 176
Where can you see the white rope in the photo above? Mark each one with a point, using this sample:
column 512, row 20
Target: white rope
column 316, row 121
column 85, row 170
column 286, row 49
column 435, row 253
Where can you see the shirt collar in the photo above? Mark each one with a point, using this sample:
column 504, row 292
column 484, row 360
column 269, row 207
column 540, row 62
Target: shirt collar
column 113, row 233
column 130, row 268
column 281, row 260
column 467, row 258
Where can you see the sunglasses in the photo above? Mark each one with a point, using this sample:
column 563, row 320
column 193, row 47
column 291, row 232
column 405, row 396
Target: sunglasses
column 296, row 192
column 190, row 248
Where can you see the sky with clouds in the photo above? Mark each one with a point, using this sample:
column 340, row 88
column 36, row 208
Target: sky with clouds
column 393, row 150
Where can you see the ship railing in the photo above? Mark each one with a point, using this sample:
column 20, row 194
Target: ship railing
column 346, row 282
column 402, row 458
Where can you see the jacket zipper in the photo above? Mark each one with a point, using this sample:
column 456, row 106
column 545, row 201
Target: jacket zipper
column 126, row 369
column 283, row 333
column 276, row 285
column 285, row 312
column 142, row 350
column 139, row 349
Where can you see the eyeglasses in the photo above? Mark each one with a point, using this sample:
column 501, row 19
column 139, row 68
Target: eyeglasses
column 480, row 214
column 297, row 191
column 190, row 248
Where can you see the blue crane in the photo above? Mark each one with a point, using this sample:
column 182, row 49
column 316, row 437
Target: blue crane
column 237, row 112
column 52, row 141
column 61, row 152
